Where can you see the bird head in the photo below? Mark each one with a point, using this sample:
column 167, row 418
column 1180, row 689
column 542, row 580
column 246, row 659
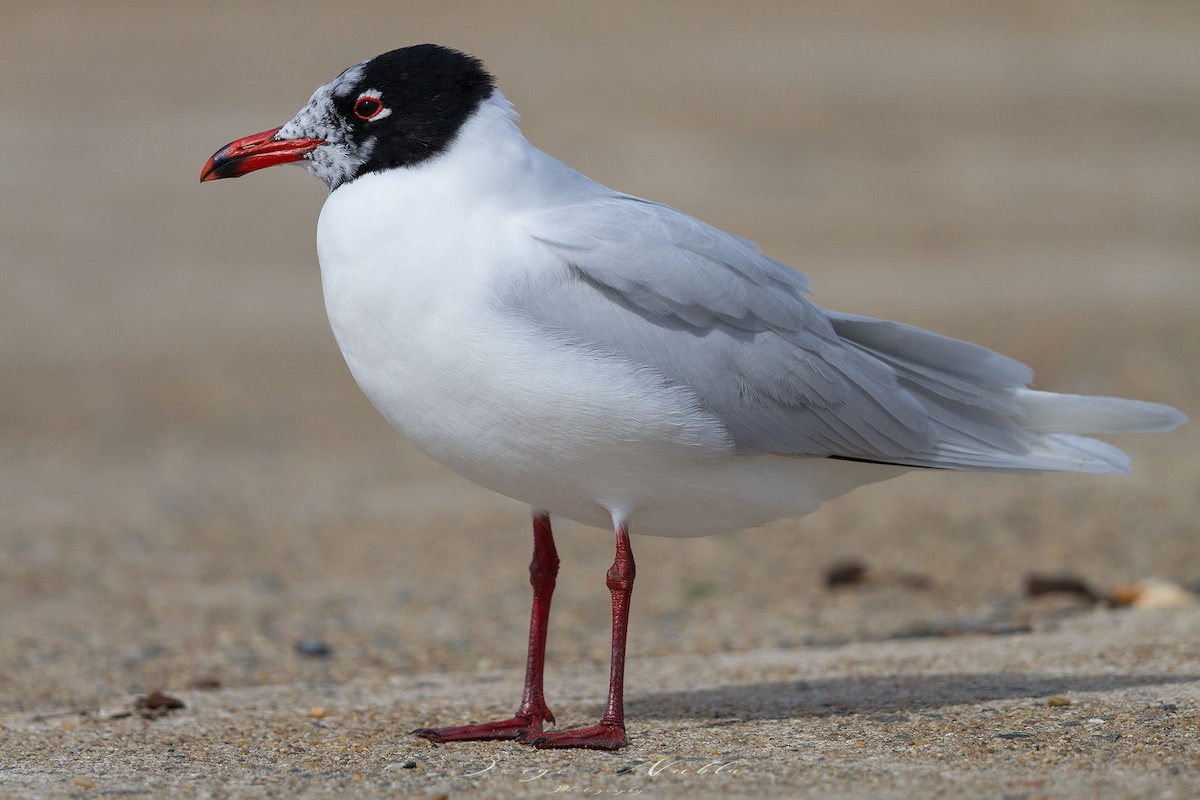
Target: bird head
column 394, row 110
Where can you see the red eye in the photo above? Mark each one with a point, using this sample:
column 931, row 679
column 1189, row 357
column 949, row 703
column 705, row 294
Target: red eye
column 367, row 107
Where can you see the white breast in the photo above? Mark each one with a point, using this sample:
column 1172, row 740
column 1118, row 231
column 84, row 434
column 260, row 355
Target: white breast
column 414, row 265
column 412, row 284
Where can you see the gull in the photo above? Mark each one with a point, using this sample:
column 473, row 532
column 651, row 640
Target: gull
column 612, row 360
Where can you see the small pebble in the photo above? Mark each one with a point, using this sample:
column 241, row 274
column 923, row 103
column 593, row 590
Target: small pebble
column 850, row 572
column 1124, row 595
column 1152, row 593
column 1057, row 701
column 316, row 712
column 313, row 647
column 1158, row 593
column 1037, row 585
column 158, row 701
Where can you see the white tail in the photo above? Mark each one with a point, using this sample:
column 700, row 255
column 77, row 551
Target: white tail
column 1047, row 412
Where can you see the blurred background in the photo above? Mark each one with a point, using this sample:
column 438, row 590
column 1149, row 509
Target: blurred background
column 190, row 482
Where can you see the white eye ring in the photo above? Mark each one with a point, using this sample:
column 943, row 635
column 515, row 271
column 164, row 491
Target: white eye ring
column 369, row 106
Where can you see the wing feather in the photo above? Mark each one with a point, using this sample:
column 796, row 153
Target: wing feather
column 708, row 311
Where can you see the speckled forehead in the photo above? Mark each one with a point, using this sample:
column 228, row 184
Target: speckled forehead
column 317, row 118
column 343, row 84
column 340, row 86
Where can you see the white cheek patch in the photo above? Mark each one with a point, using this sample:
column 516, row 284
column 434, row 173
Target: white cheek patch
column 375, row 94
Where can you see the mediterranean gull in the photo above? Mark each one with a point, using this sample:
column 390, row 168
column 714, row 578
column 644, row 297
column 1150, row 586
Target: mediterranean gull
column 613, row 360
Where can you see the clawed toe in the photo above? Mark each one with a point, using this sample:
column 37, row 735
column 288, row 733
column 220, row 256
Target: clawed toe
column 603, row 736
column 514, row 728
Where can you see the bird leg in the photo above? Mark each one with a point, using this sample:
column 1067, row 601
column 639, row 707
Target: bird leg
column 532, row 712
column 609, row 732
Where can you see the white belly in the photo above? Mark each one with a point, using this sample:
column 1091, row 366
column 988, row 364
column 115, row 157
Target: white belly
column 505, row 405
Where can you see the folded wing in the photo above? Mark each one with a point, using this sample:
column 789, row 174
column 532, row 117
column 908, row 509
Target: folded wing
column 708, row 311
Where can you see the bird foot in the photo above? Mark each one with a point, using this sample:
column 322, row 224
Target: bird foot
column 518, row 727
column 602, row 736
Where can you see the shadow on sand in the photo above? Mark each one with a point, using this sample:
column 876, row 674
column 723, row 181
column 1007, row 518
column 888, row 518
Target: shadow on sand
column 884, row 694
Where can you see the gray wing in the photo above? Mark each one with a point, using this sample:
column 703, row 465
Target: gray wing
column 647, row 283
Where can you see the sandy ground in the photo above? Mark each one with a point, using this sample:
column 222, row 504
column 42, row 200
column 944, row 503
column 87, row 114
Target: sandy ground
column 190, row 483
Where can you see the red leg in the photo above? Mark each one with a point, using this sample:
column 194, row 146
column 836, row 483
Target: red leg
column 609, row 732
column 532, row 712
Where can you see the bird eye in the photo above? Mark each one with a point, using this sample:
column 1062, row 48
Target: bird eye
column 367, row 107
